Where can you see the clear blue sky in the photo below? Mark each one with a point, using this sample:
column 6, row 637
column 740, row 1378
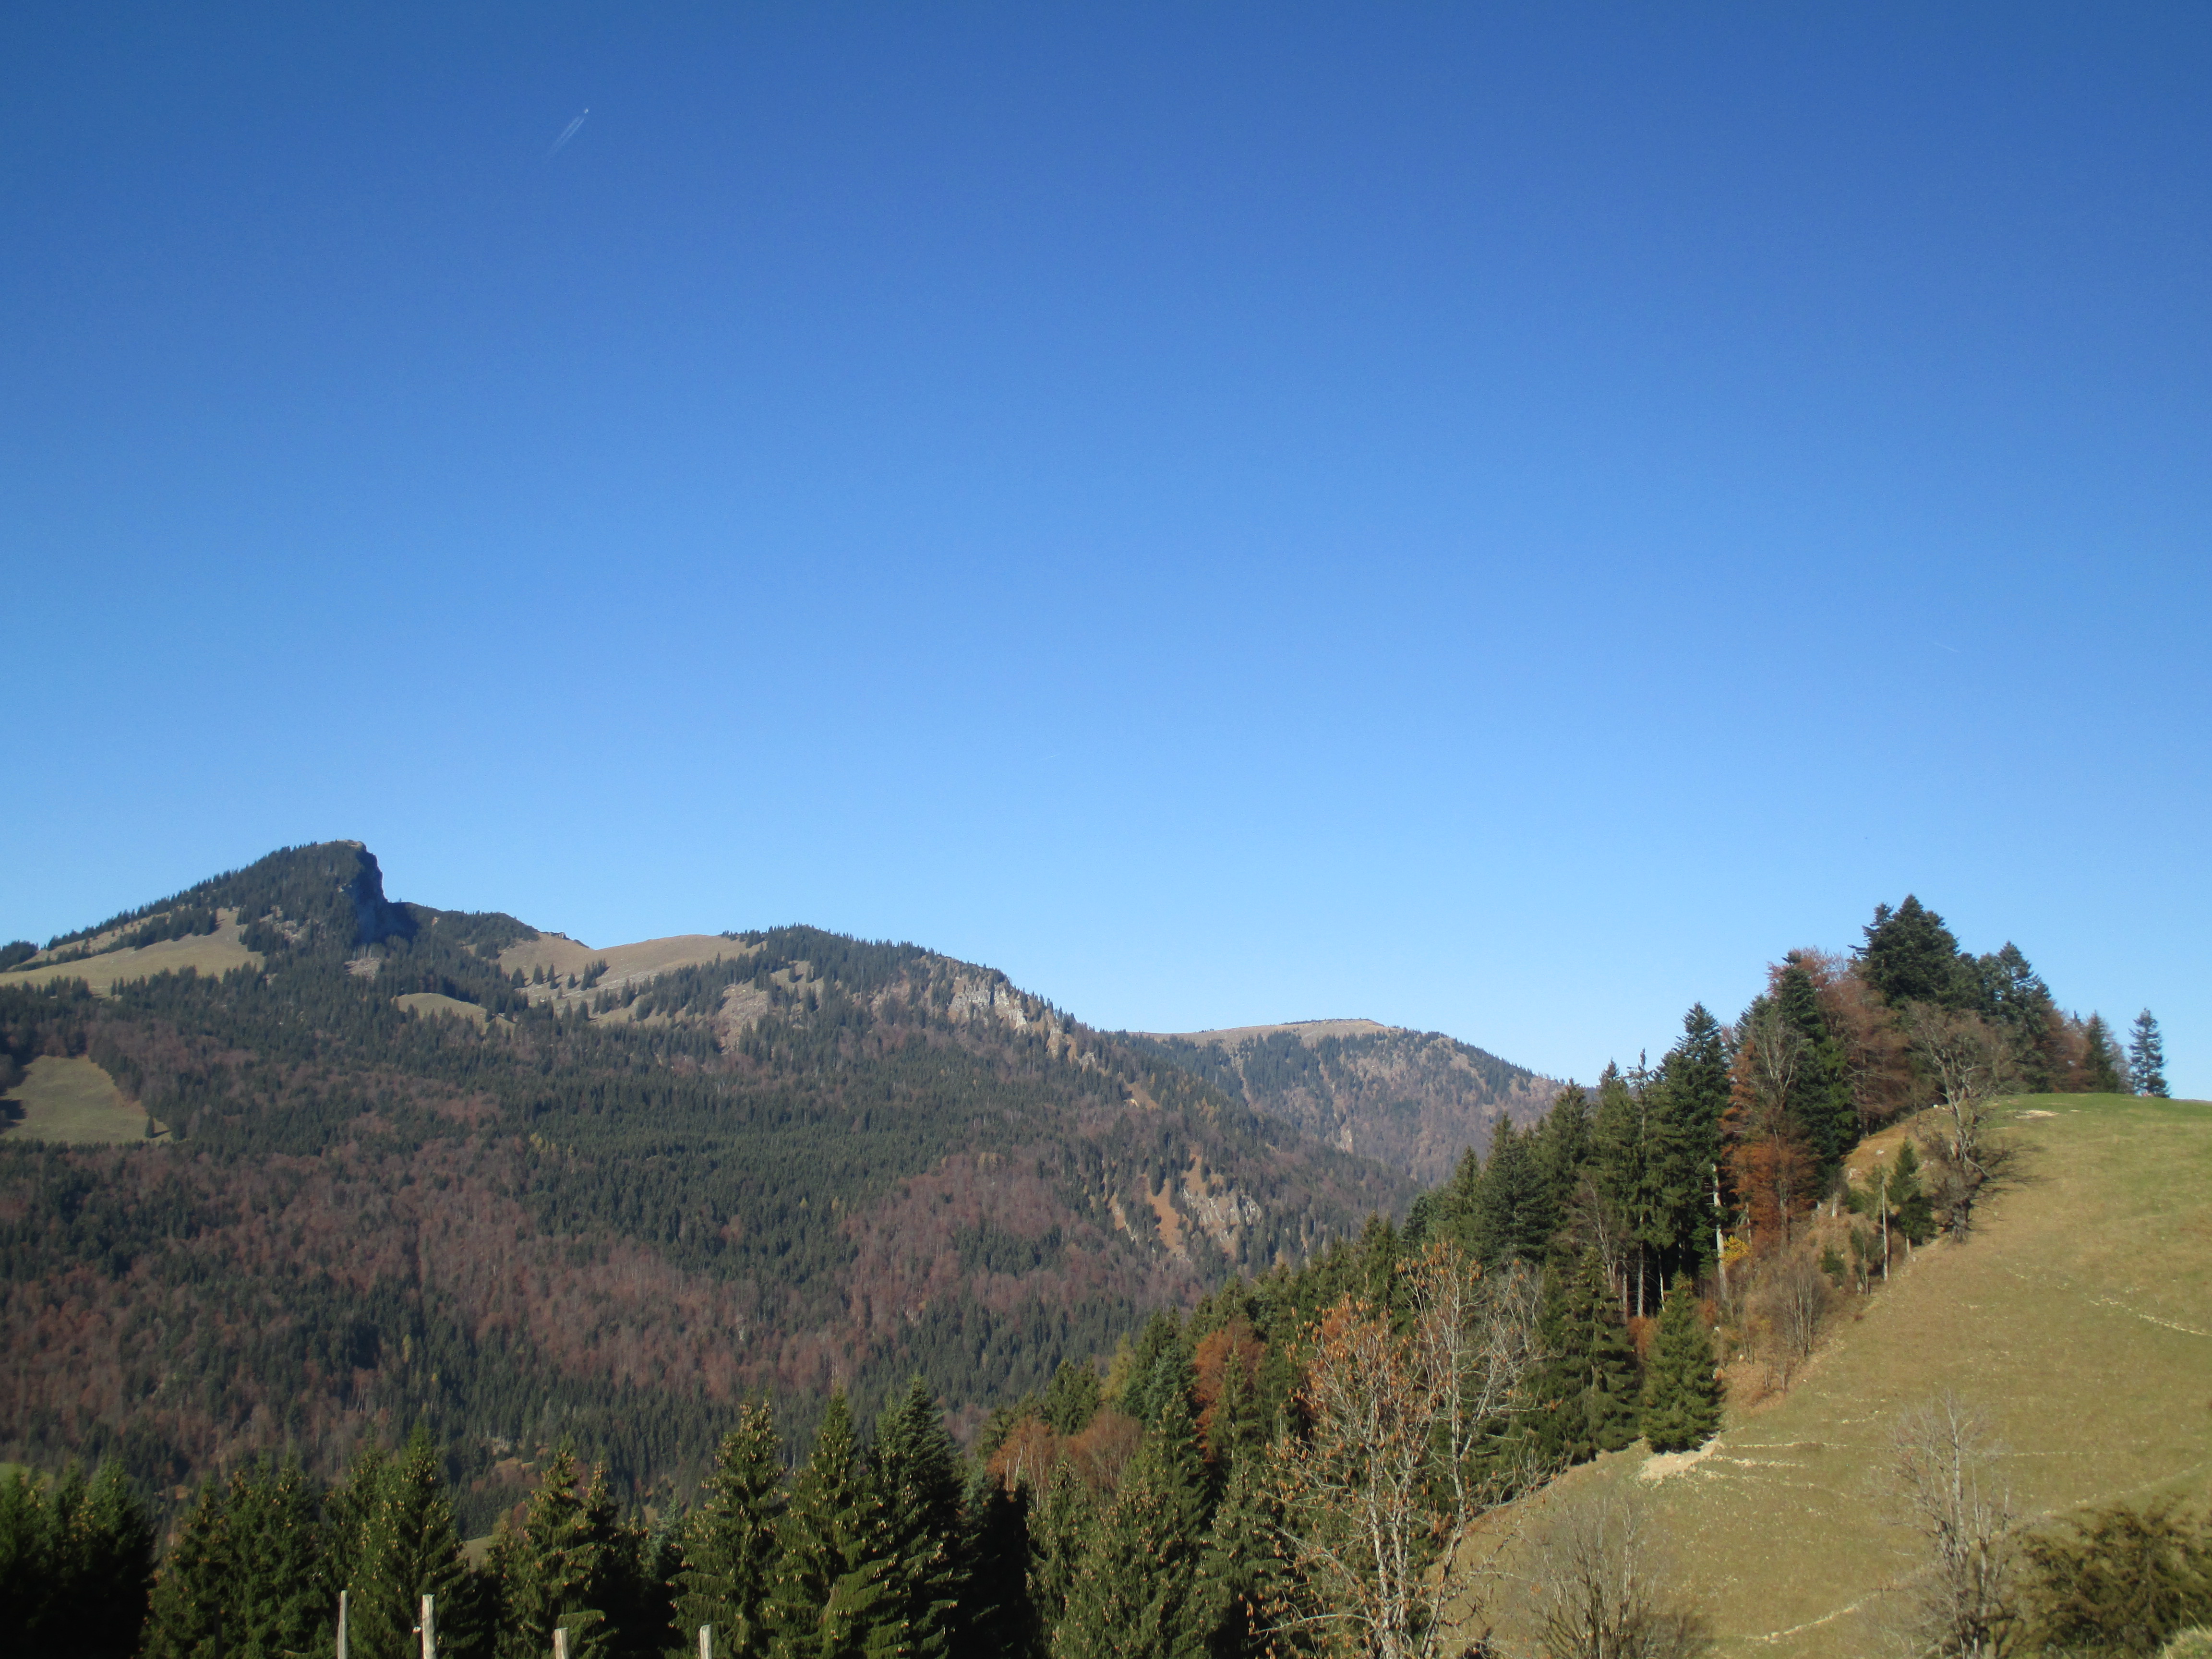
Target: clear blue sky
column 1504, row 519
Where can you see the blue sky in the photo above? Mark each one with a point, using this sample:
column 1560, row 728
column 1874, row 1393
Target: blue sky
column 1498, row 519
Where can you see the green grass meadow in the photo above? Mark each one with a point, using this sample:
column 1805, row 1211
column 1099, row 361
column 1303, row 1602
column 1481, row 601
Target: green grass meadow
column 2078, row 1315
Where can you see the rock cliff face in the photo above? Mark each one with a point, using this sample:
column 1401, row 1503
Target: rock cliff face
column 1413, row 1101
column 377, row 917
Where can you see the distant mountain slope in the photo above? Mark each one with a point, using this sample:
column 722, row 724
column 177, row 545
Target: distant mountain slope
column 440, row 1164
column 1413, row 1101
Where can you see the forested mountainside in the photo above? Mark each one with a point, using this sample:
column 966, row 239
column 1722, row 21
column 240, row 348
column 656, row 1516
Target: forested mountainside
column 389, row 1176
column 1413, row 1100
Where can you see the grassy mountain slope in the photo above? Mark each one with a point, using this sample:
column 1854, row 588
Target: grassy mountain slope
column 401, row 1184
column 2079, row 1316
column 1413, row 1100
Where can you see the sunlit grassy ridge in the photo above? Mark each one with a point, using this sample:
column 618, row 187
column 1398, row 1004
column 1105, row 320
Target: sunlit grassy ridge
column 2079, row 1315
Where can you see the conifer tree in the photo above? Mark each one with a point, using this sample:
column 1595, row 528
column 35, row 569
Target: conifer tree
column 1691, row 1094
column 75, row 1561
column 2147, row 1057
column 998, row 1616
column 277, row 1602
column 1910, row 955
column 560, row 1568
column 1135, row 1593
column 347, row 1511
column 1063, row 1524
column 1514, row 1215
column 1561, row 1145
column 1908, row 1200
column 1617, row 1135
column 1681, row 1406
column 410, row 1548
column 1238, row 1569
column 1821, row 1095
column 184, row 1617
column 915, row 1470
column 829, row 1597
column 729, row 1547
column 2101, row 1062
column 1586, row 1392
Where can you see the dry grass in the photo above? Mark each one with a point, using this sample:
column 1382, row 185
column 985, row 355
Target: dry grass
column 74, row 1101
column 214, row 953
column 2079, row 1315
column 424, row 1004
column 626, row 963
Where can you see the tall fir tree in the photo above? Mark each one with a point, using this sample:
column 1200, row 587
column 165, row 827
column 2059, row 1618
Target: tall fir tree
column 729, row 1545
column 279, row 1602
column 410, row 1548
column 2102, row 1062
column 831, row 1598
column 1562, row 1147
column 1620, row 1171
column 1690, row 1095
column 1063, row 1525
column 347, row 1510
column 916, row 1470
column 1910, row 955
column 1136, row 1595
column 193, row 1586
column 1238, row 1571
column 75, row 1561
column 1681, row 1403
column 1820, row 1093
column 1514, row 1214
column 2147, row 1057
column 1913, row 1213
column 998, row 1619
column 560, row 1568
column 1586, row 1392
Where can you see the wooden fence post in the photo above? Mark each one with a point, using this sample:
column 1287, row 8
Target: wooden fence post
column 342, row 1624
column 429, row 1629
column 560, row 1643
column 706, row 1642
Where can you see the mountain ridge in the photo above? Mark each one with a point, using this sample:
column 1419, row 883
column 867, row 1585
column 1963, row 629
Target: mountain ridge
column 415, row 1170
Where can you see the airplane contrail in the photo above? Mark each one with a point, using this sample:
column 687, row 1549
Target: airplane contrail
column 567, row 133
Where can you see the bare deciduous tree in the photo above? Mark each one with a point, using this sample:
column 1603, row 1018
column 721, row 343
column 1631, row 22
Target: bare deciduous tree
column 1963, row 1602
column 1598, row 1587
column 1387, row 1477
column 1972, row 1063
column 1792, row 1300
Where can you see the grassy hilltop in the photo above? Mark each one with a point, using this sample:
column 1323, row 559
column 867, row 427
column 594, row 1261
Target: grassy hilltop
column 2078, row 1315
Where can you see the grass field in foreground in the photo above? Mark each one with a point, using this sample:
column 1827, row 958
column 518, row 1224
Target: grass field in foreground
column 73, row 1100
column 2079, row 1315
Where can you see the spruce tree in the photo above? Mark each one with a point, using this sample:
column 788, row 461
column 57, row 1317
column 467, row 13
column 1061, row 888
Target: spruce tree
column 193, row 1585
column 1820, row 1095
column 1689, row 1097
column 107, row 1567
column 1238, row 1569
column 1910, row 955
column 1514, row 1215
column 915, row 1470
column 347, row 1511
column 2102, row 1060
column 1063, row 1524
column 410, row 1548
column 829, row 1598
column 279, row 1601
column 560, row 1569
column 1908, row 1199
column 729, row 1545
column 1681, row 1406
column 2147, row 1057
column 1562, row 1145
column 999, row 1617
column 1586, row 1392
column 1135, row 1593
